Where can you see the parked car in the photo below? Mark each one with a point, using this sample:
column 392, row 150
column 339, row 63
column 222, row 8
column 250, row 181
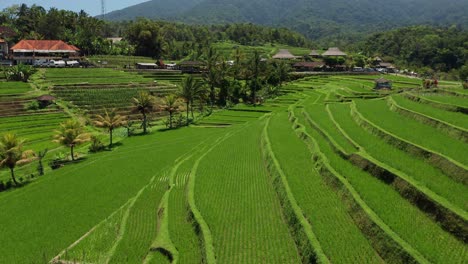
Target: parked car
column 57, row 64
column 72, row 63
column 41, row 63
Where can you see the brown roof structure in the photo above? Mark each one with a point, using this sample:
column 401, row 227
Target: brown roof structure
column 46, row 97
column 7, row 32
column 284, row 54
column 309, row 64
column 386, row 65
column 314, row 53
column 2, row 40
column 334, row 52
column 191, row 63
column 44, row 46
column 382, row 80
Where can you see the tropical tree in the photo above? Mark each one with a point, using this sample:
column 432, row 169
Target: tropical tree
column 19, row 72
column 110, row 120
column 171, row 105
column 211, row 75
column 71, row 133
column 12, row 153
column 190, row 90
column 254, row 74
column 144, row 104
column 40, row 156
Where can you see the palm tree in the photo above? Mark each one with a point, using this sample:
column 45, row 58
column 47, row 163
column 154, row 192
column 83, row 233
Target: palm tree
column 12, row 153
column 71, row 133
column 110, row 121
column 191, row 89
column 171, row 106
column 255, row 68
column 211, row 74
column 144, row 104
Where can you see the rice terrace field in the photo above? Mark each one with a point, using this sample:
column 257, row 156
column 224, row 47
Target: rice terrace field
column 330, row 171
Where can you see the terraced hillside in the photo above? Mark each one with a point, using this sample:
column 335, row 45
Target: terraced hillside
column 92, row 90
column 330, row 172
column 17, row 117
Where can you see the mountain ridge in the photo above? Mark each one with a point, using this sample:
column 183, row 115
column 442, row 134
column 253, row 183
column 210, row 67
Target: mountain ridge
column 315, row 19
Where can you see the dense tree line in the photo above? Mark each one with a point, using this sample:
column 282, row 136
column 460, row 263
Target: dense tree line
column 145, row 37
column 176, row 40
column 434, row 48
column 37, row 23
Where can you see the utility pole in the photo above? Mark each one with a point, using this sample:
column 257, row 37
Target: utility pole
column 103, row 8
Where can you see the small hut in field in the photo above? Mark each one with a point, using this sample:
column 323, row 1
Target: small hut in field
column 334, row 52
column 45, row 100
column 383, row 84
column 284, row 54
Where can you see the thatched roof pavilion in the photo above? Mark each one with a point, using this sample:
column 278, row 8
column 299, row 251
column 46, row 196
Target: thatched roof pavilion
column 334, row 52
column 284, row 54
column 314, row 53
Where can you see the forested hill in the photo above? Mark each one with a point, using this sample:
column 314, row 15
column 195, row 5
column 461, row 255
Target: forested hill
column 314, row 18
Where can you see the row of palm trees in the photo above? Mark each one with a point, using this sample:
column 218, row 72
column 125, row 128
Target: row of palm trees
column 72, row 133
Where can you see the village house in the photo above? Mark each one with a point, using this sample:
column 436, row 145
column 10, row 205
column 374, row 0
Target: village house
column 284, row 54
column 28, row 51
column 334, row 52
column 307, row 66
column 383, row 84
column 314, row 54
column 3, row 49
column 191, row 66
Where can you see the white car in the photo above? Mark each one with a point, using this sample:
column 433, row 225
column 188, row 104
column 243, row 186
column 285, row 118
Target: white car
column 57, row 64
column 73, row 63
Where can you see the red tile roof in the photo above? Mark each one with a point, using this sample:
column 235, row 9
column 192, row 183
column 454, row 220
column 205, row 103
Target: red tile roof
column 44, row 45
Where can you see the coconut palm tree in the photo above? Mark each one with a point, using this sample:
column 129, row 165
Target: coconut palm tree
column 110, row 120
column 211, row 75
column 190, row 90
column 71, row 133
column 144, row 104
column 171, row 105
column 12, row 153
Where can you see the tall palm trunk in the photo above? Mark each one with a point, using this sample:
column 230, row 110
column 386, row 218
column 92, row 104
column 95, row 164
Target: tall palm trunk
column 12, row 170
column 170, row 119
column 212, row 97
column 188, row 112
column 144, row 122
column 110, row 137
column 191, row 109
column 72, row 154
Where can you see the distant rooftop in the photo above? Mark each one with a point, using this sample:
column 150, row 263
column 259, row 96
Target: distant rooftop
column 314, row 53
column 44, row 46
column 334, row 52
column 284, row 54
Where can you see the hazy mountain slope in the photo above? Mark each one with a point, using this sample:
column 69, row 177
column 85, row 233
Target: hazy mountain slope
column 314, row 18
column 163, row 9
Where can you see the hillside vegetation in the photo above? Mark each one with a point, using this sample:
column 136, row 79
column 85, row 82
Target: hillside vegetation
column 316, row 19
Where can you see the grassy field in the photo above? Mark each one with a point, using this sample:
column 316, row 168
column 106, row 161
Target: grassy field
column 317, row 175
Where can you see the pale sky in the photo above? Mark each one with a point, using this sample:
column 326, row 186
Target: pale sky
column 92, row 7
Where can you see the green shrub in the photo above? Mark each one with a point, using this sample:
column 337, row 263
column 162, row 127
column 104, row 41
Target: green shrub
column 96, row 144
column 33, row 105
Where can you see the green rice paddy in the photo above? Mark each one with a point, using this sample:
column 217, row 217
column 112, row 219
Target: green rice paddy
column 317, row 175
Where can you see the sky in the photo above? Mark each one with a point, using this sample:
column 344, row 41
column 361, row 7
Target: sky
column 92, row 7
